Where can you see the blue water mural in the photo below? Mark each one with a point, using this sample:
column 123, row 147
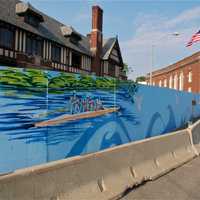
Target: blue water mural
column 98, row 113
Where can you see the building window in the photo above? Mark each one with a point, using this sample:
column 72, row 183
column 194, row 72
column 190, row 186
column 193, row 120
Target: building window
column 6, row 38
column 67, row 57
column 165, row 83
column 117, row 70
column 190, row 77
column 34, row 46
column 170, row 82
column 111, row 69
column 76, row 60
column 105, row 66
column 181, row 81
column 189, row 89
column 160, row 83
column 55, row 53
column 175, row 82
column 32, row 20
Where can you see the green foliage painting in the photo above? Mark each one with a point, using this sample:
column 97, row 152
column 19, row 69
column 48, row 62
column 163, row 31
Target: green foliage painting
column 34, row 78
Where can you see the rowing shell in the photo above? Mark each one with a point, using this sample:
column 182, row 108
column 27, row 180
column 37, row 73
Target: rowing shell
column 85, row 115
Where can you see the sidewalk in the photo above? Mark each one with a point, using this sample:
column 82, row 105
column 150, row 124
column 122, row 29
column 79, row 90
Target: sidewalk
column 180, row 184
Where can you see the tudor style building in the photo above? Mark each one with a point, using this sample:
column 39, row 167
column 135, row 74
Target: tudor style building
column 182, row 75
column 29, row 38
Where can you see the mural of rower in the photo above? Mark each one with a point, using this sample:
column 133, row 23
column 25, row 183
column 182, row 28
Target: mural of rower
column 86, row 104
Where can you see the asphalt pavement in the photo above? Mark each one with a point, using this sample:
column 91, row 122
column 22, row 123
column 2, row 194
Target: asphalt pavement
column 182, row 183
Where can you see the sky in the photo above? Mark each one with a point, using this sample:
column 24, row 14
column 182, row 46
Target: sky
column 144, row 28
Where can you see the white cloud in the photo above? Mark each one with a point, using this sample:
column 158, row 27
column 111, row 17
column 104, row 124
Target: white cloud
column 157, row 30
column 187, row 16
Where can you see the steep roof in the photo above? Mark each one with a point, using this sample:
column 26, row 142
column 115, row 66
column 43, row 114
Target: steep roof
column 108, row 44
column 50, row 29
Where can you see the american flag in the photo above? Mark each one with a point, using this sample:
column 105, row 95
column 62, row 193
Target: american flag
column 195, row 38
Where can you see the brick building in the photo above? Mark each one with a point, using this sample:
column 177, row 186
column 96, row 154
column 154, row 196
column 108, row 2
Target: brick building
column 29, row 38
column 182, row 75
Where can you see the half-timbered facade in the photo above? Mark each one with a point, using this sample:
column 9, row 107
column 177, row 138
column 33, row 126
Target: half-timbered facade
column 29, row 38
column 112, row 60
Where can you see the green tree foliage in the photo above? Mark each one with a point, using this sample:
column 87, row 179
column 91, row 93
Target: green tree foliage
column 34, row 78
column 37, row 78
column 140, row 79
column 125, row 68
column 63, row 80
column 14, row 77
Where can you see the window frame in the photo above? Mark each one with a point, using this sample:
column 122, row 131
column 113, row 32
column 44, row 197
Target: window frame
column 171, row 82
column 160, row 83
column 181, row 81
column 56, row 53
column 190, row 77
column 175, row 81
column 79, row 66
column 165, row 82
column 35, row 41
column 111, row 68
column 11, row 30
column 31, row 20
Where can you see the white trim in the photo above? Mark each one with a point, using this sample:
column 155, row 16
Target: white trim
column 16, row 39
column 20, row 40
column 24, row 42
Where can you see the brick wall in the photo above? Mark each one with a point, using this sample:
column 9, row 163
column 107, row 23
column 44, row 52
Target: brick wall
column 186, row 69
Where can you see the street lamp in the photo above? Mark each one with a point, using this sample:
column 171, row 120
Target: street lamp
column 175, row 34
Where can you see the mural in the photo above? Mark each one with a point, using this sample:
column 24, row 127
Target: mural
column 49, row 115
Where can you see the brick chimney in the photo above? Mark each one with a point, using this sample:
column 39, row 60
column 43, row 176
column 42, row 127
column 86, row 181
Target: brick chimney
column 96, row 38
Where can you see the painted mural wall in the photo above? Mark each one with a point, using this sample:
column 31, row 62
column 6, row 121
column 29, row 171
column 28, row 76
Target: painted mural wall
column 48, row 115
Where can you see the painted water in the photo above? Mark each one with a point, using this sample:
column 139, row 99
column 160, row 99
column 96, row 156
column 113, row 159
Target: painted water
column 143, row 112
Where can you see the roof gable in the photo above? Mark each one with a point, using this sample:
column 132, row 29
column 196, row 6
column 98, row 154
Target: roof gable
column 111, row 50
column 25, row 8
column 107, row 47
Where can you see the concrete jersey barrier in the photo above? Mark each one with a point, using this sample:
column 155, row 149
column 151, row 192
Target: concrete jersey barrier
column 194, row 131
column 100, row 175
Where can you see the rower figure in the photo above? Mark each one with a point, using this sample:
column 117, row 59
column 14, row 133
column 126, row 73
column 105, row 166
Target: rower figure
column 99, row 105
column 78, row 105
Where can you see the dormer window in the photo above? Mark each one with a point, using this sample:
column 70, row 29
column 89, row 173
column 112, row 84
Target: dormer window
column 32, row 20
column 74, row 38
column 30, row 14
column 70, row 33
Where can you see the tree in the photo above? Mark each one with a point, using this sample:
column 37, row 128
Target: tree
column 127, row 69
column 141, row 79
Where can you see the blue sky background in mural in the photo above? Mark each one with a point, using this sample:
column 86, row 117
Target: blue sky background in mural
column 25, row 100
